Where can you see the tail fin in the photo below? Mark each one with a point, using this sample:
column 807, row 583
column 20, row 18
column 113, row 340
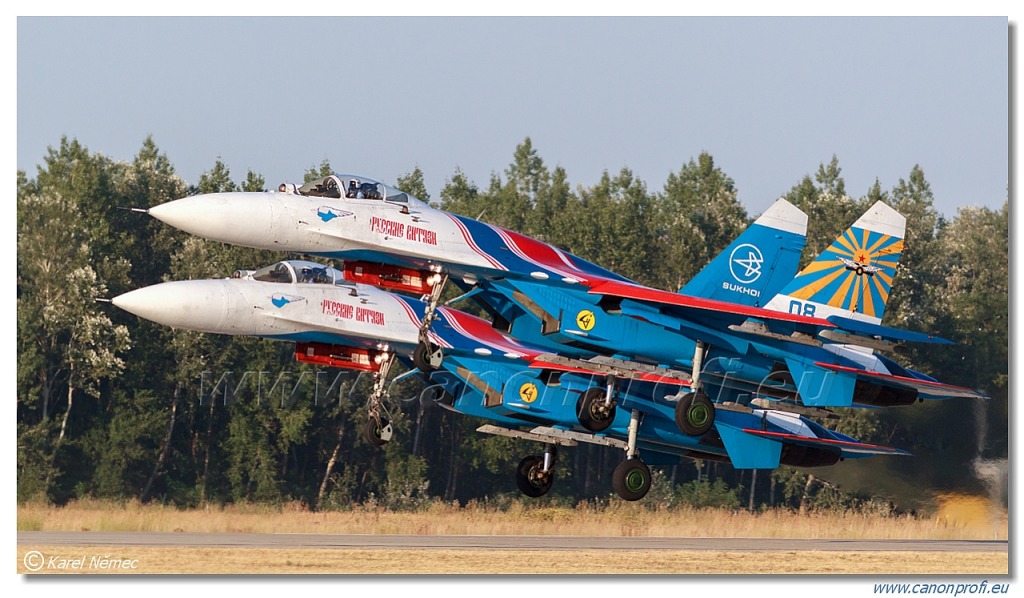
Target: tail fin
column 759, row 263
column 853, row 276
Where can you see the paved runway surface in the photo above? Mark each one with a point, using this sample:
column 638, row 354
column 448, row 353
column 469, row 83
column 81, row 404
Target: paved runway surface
column 235, row 540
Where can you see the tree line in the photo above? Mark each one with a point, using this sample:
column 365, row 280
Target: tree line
column 112, row 406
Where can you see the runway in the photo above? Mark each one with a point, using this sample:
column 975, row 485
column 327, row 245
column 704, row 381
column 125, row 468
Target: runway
column 426, row 542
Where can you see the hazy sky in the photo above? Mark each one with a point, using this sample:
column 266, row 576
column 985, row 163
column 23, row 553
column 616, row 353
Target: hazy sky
column 769, row 98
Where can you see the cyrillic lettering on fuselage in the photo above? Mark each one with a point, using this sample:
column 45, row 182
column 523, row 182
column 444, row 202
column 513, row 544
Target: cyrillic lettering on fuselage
column 392, row 228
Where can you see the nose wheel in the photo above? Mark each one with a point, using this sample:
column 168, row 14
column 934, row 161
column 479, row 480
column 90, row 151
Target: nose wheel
column 379, row 431
column 427, row 356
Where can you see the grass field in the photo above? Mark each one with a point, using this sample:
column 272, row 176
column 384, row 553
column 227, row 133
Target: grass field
column 955, row 518
column 959, row 518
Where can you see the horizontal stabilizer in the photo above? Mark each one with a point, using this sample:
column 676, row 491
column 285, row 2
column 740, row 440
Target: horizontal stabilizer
column 846, row 446
column 820, row 387
column 886, row 333
column 927, row 389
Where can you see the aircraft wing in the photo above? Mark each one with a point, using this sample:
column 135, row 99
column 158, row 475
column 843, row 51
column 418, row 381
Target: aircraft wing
column 929, row 389
column 710, row 312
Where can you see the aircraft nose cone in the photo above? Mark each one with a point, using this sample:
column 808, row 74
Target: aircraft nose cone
column 247, row 219
column 202, row 305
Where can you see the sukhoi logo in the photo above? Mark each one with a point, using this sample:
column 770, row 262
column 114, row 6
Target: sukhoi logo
column 745, row 263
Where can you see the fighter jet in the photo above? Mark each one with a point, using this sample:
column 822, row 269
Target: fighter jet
column 547, row 297
column 485, row 373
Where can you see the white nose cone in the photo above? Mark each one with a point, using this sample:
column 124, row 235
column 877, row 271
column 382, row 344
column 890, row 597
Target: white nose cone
column 202, row 305
column 247, row 219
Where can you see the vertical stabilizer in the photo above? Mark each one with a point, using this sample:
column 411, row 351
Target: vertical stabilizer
column 851, row 278
column 759, row 263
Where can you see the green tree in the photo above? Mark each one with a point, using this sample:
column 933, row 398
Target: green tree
column 701, row 215
column 413, row 184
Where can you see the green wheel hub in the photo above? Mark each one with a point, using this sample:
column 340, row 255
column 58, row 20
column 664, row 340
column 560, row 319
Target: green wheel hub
column 698, row 415
column 635, row 480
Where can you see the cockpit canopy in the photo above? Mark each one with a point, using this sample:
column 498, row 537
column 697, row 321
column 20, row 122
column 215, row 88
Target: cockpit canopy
column 350, row 186
column 291, row 271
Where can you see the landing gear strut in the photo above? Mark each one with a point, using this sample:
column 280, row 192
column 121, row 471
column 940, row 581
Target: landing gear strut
column 427, row 357
column 695, row 413
column 536, row 474
column 631, row 479
column 437, row 282
column 378, row 430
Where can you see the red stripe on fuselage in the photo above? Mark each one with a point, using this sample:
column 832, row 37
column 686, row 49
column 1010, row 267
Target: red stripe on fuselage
column 541, row 254
column 482, row 332
column 468, row 237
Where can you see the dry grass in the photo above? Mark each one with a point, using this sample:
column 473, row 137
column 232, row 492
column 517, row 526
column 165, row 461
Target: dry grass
column 192, row 560
column 957, row 518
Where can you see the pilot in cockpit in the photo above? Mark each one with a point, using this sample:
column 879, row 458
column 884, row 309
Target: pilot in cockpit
column 316, row 275
column 352, row 190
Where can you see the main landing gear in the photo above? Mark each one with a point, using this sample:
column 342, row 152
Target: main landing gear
column 631, row 479
column 695, row 413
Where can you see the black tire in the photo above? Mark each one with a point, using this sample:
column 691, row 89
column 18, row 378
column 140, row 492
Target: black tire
column 592, row 412
column 530, row 478
column 421, row 357
column 374, row 431
column 695, row 414
column 631, row 479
